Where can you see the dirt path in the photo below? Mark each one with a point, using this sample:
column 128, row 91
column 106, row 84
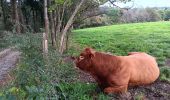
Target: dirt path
column 8, row 60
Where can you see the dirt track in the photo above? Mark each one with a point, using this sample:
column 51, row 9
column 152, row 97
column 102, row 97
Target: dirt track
column 8, row 60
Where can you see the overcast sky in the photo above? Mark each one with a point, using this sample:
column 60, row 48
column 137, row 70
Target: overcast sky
column 145, row 3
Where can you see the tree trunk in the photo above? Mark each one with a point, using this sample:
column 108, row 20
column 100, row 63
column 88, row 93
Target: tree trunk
column 21, row 17
column 45, row 37
column 34, row 20
column 16, row 16
column 4, row 13
column 52, row 28
column 67, row 38
column 69, row 23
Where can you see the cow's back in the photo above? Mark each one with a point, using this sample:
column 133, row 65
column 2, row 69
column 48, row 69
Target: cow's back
column 143, row 68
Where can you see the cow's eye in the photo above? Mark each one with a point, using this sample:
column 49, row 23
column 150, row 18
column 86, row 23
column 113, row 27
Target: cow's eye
column 81, row 58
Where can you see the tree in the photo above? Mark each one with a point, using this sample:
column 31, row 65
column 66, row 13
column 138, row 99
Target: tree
column 68, row 25
column 153, row 14
column 67, row 11
column 4, row 14
column 45, row 35
column 15, row 16
column 114, row 14
column 167, row 15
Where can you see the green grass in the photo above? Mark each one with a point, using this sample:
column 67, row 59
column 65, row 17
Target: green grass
column 153, row 38
column 82, row 91
column 165, row 74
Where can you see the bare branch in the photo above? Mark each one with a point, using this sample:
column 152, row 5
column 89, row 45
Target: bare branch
column 124, row 9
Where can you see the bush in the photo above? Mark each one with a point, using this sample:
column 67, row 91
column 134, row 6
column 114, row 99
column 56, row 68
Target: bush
column 35, row 77
column 167, row 15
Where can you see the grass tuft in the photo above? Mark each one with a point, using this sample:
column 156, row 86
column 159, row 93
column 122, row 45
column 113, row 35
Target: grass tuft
column 165, row 74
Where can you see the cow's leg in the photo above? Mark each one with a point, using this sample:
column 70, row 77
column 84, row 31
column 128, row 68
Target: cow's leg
column 100, row 84
column 118, row 89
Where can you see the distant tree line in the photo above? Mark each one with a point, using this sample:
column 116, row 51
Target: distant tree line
column 135, row 15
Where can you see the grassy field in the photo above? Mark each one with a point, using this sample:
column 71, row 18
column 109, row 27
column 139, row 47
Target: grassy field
column 153, row 38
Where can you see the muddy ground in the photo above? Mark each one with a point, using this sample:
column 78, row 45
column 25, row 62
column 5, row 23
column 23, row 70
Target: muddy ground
column 159, row 90
column 8, row 60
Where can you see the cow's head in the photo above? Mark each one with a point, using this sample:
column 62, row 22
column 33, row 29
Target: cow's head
column 84, row 60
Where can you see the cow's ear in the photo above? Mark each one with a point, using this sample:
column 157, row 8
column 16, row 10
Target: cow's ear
column 90, row 52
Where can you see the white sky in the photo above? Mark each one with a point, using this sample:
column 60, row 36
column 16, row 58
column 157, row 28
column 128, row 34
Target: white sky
column 145, row 3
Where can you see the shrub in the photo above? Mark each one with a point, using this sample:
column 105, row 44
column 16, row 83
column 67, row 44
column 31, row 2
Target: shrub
column 35, row 78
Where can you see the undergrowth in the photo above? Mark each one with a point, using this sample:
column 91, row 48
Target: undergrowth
column 36, row 78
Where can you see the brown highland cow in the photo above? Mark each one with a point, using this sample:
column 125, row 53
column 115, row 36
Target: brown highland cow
column 115, row 73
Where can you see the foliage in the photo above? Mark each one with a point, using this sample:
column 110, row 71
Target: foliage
column 114, row 15
column 3, row 40
column 153, row 14
column 33, row 92
column 162, row 14
column 140, row 15
column 96, row 21
column 82, row 91
column 111, row 16
column 34, row 77
column 167, row 15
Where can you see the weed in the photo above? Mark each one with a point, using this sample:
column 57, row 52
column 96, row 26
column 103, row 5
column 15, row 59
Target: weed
column 140, row 97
